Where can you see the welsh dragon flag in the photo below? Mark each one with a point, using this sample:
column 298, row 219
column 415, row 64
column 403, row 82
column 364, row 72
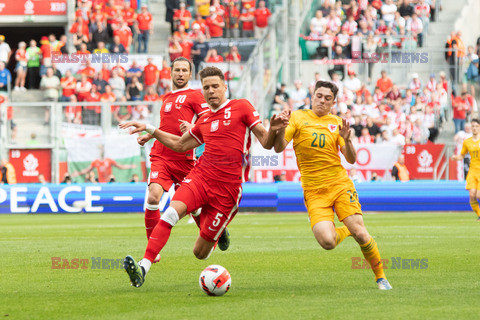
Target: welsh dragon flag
column 113, row 154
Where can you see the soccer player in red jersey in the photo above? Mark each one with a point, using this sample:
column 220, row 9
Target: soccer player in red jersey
column 170, row 167
column 215, row 183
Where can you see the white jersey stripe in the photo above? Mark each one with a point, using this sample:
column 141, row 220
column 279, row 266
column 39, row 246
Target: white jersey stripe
column 198, row 140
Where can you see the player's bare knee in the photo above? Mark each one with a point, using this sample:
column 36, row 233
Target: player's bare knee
column 327, row 244
column 201, row 253
column 361, row 235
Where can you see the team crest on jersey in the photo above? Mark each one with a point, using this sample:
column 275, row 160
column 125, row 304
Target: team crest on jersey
column 226, row 122
column 168, row 107
column 214, row 126
column 154, row 174
column 332, row 127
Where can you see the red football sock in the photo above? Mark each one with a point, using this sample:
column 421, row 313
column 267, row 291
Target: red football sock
column 158, row 239
column 151, row 220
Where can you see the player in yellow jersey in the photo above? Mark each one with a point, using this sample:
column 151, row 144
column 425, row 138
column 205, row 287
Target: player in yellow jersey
column 472, row 146
column 317, row 135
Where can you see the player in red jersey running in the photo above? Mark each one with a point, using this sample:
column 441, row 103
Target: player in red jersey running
column 169, row 167
column 215, row 183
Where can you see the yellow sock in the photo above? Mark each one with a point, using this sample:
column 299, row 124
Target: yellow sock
column 475, row 207
column 372, row 255
column 342, row 233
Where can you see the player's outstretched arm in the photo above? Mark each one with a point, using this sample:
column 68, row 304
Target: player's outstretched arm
column 277, row 122
column 347, row 150
column 171, row 141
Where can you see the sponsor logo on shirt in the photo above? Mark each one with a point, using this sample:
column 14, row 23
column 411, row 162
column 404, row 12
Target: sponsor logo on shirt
column 226, row 122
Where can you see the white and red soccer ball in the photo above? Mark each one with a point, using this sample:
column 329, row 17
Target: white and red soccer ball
column 215, row 280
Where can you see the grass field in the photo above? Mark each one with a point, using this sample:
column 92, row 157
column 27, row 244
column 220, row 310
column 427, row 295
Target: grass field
column 278, row 270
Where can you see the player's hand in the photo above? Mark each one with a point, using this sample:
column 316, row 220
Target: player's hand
column 185, row 125
column 144, row 139
column 137, row 127
column 344, row 130
column 280, row 121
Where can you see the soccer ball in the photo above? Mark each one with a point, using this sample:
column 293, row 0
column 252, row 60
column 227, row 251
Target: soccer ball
column 215, row 280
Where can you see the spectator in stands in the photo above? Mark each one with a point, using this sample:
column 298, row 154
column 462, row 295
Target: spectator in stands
column 233, row 55
column 133, row 71
column 415, row 84
column 7, row 172
column 400, row 171
column 247, row 18
column 461, row 106
column 100, row 48
column 232, row 15
column 120, row 69
column 117, row 84
column 388, row 12
column 299, row 96
column 122, row 113
column 116, row 46
column 151, row 95
column 80, row 33
column 397, row 138
column 83, row 88
column 174, row 48
column 262, row 14
column 365, row 137
column 429, row 123
column 422, row 9
column 92, row 114
column 125, row 37
column 385, row 84
column 215, row 24
column 353, row 175
column 144, row 28
column 370, row 47
column 405, row 8
column 68, row 85
column 41, row 179
column 135, row 178
column 472, row 74
column 108, row 95
column 73, row 112
column 33, row 65
column 100, row 82
column 182, row 16
column 213, row 56
column 5, row 51
column 150, row 74
column 282, row 98
column 171, row 6
column 352, row 82
column 415, row 26
column 21, row 66
column 11, row 123
column 420, row 132
column 318, row 24
column 5, row 78
column 46, row 50
column 33, row 140
column 165, row 77
column 200, row 50
column 50, row 84
column 134, row 90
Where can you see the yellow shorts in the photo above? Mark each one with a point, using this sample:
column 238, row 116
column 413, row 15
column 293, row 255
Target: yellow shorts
column 321, row 202
column 473, row 180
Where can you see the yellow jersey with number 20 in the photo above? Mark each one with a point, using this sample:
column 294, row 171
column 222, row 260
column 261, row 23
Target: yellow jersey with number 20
column 316, row 141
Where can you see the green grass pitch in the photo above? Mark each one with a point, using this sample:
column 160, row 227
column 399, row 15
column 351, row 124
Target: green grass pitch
column 278, row 270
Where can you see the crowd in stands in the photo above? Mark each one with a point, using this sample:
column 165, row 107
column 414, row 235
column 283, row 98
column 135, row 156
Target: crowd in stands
column 385, row 115
column 347, row 27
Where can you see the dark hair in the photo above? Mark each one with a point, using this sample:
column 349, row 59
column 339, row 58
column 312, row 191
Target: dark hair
column 475, row 120
column 327, row 84
column 211, row 72
column 183, row 59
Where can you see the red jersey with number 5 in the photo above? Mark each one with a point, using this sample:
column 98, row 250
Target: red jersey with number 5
column 183, row 104
column 226, row 134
